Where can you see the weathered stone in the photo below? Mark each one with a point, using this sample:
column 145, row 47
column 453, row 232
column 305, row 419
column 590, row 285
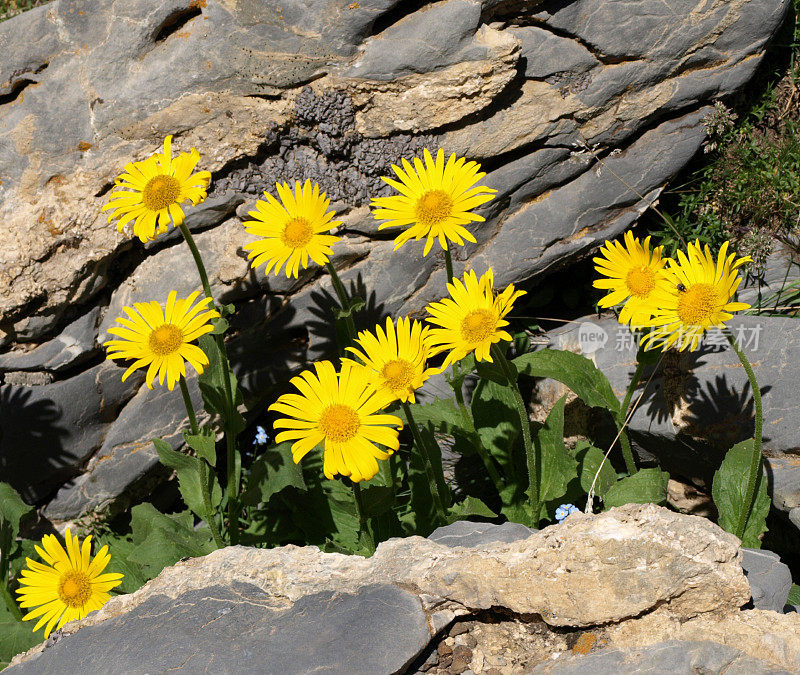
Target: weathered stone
column 76, row 343
column 672, row 656
column 50, row 431
column 770, row 580
column 239, row 629
column 473, row 535
column 637, row 576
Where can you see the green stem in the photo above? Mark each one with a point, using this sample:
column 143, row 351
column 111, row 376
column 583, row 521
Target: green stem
column 627, row 453
column 448, row 261
column 204, row 474
column 424, row 452
column 362, row 520
column 10, row 602
column 187, row 401
column 756, row 463
column 233, row 477
column 343, row 300
column 533, row 460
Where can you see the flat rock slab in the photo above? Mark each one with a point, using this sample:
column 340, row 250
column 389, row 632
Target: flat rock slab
column 237, row 629
column 668, row 658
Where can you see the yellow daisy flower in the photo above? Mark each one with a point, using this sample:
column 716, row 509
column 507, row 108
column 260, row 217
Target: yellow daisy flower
column 435, row 200
column 632, row 272
column 160, row 340
column 339, row 409
column 471, row 319
column 397, row 356
column 68, row 586
column 151, row 191
column 696, row 295
column 292, row 229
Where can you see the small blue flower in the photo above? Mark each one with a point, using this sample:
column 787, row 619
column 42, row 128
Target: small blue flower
column 261, row 436
column 566, row 510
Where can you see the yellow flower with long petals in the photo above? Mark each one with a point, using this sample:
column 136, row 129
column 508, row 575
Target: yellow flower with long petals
column 150, row 192
column 292, row 229
column 435, row 200
column 341, row 410
column 160, row 339
column 632, row 273
column 397, row 356
column 68, row 585
column 471, row 319
column 697, row 294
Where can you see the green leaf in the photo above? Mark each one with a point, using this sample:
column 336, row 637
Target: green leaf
column 204, row 444
column 558, row 467
column 272, row 472
column 794, row 595
column 161, row 541
column 189, row 474
column 226, row 310
column 377, row 500
column 471, row 506
column 15, row 636
column 492, row 372
column 575, row 371
column 590, row 460
column 497, row 423
column 442, row 413
column 729, row 488
column 212, row 387
column 12, row 511
column 220, row 326
column 355, row 304
column 646, row 486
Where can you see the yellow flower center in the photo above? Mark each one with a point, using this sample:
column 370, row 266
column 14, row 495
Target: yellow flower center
column 640, row 281
column 160, row 192
column 339, row 422
column 297, row 232
column 478, row 325
column 74, row 588
column 433, row 207
column 165, row 339
column 697, row 304
column 398, row 373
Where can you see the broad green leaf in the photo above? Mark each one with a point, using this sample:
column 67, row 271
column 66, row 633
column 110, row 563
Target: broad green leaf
column 729, row 488
column 558, row 468
column 161, row 541
column 377, row 500
column 575, row 371
column 190, row 473
column 15, row 636
column 203, row 443
column 120, row 548
column 590, row 460
column 497, row 423
column 492, row 372
column 646, row 486
column 442, row 413
column 471, row 506
column 220, row 326
column 272, row 472
column 12, row 511
column 794, row 595
column 212, row 386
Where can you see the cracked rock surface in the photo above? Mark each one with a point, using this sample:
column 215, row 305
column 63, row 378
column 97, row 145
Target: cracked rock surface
column 634, row 577
column 334, row 92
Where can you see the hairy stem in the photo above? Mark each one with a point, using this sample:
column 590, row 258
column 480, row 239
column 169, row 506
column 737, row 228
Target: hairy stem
column 627, row 453
column 756, row 462
column 343, row 300
column 424, row 453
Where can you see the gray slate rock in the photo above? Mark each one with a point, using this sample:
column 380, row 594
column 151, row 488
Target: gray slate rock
column 770, row 580
column 666, row 658
column 238, row 629
column 473, row 535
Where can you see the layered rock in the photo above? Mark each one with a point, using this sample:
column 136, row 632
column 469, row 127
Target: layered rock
column 634, row 576
column 334, row 92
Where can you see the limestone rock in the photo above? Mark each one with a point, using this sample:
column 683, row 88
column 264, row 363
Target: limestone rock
column 637, row 576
